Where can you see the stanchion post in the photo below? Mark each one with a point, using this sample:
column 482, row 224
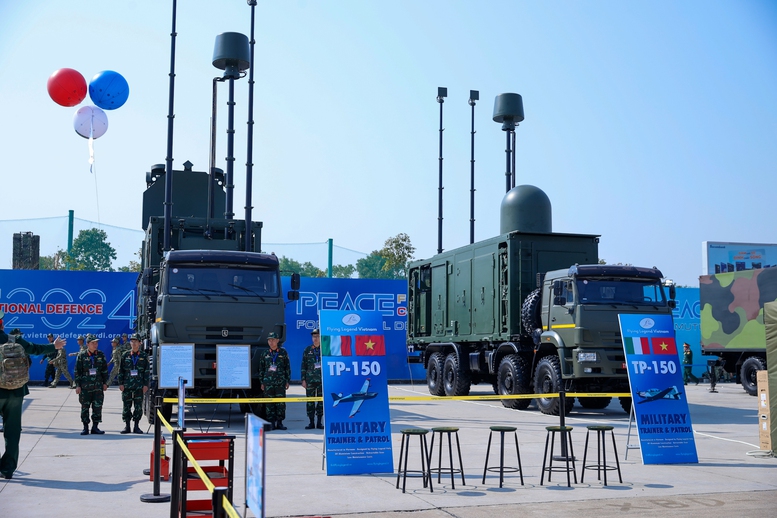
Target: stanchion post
column 562, row 397
column 156, row 496
column 218, row 502
column 175, row 480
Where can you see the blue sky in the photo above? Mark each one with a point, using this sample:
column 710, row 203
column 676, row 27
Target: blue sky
column 651, row 124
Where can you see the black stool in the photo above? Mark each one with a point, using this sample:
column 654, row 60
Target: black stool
column 567, row 453
column 601, row 457
column 439, row 469
column 424, row 472
column 502, row 468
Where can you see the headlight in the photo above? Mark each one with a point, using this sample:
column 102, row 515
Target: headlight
column 587, row 357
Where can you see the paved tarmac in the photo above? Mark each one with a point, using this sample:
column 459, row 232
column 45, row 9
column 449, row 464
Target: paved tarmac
column 62, row 473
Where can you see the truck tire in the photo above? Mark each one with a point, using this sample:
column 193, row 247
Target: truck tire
column 434, row 375
column 748, row 374
column 547, row 379
column 625, row 404
column 594, row 403
column 513, row 378
column 456, row 379
column 530, row 314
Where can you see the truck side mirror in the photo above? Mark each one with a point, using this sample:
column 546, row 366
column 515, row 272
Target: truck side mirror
column 293, row 295
column 295, row 281
column 672, row 292
column 148, row 274
column 559, row 301
column 557, row 289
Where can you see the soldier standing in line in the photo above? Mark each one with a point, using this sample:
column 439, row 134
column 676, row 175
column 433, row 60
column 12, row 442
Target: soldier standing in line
column 134, row 373
column 275, row 372
column 311, row 379
column 91, row 384
column 116, row 354
column 125, row 344
column 48, row 358
column 60, row 369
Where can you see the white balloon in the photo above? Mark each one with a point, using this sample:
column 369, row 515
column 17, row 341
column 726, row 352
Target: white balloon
column 90, row 122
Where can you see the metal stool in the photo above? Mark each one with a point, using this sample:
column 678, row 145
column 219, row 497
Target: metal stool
column 439, row 469
column 502, row 468
column 601, row 457
column 402, row 470
column 567, row 453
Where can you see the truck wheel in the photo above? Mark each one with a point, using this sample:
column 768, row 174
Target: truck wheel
column 456, row 379
column 530, row 313
column 513, row 378
column 547, row 379
column 594, row 403
column 748, row 374
column 625, row 404
column 434, row 375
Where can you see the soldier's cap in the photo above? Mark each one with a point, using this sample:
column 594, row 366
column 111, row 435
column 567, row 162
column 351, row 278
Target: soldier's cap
column 91, row 338
column 686, row 344
column 80, row 337
column 115, row 339
column 273, row 335
column 124, row 335
column 16, row 331
column 315, row 332
column 50, row 335
column 134, row 336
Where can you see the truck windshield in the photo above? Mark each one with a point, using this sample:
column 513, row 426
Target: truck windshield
column 229, row 281
column 620, row 291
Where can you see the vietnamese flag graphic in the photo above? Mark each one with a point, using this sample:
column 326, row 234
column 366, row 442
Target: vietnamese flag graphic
column 335, row 346
column 370, row 345
column 636, row 345
column 664, row 346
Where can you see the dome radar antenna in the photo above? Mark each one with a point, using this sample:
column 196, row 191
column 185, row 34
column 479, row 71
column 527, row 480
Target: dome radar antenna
column 508, row 110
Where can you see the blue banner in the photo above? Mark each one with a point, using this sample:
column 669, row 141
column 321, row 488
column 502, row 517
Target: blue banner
column 657, row 391
column 67, row 304
column 357, row 437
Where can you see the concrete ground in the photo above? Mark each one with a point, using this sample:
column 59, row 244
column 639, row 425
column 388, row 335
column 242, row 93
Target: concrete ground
column 62, row 473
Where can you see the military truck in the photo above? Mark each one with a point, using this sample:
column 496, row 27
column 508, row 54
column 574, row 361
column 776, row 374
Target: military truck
column 732, row 320
column 529, row 311
column 206, row 290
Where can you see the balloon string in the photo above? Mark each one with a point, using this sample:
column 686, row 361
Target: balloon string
column 93, row 170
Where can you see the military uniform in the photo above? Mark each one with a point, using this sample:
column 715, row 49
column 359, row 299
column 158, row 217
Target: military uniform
column 11, row 407
column 687, row 362
column 275, row 373
column 116, row 355
column 311, row 380
column 60, row 365
column 91, row 380
column 50, row 369
column 134, row 374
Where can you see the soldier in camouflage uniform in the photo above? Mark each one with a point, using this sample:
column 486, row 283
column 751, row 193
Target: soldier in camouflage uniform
column 134, row 373
column 116, row 355
column 60, row 366
column 275, row 373
column 50, row 369
column 311, row 379
column 91, row 384
column 81, row 345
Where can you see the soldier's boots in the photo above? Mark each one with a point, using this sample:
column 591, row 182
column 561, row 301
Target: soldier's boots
column 73, row 385
column 86, row 429
column 96, row 431
column 319, row 424
column 126, row 428
column 137, row 427
column 311, row 425
column 53, row 385
column 279, row 425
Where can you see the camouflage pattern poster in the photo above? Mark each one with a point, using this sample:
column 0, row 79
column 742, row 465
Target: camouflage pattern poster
column 657, row 391
column 357, row 436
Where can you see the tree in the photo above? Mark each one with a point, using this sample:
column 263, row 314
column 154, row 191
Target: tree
column 305, row 269
column 91, row 251
column 55, row 261
column 343, row 271
column 133, row 266
column 371, row 267
column 397, row 251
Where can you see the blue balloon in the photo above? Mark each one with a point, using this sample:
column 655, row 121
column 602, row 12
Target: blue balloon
column 108, row 90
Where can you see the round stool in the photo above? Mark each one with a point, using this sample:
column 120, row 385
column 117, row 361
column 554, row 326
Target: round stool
column 567, row 453
column 402, row 470
column 601, row 457
column 439, row 469
column 502, row 468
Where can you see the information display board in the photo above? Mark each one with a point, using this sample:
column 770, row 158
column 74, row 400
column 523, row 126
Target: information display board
column 255, row 462
column 658, row 395
column 175, row 361
column 233, row 366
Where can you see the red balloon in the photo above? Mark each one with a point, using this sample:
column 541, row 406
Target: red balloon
column 67, row 87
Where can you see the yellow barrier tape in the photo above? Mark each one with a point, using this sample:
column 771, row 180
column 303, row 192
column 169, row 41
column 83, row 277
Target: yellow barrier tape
column 197, row 468
column 163, row 421
column 401, row 398
column 229, row 509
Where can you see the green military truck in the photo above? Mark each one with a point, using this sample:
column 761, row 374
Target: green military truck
column 529, row 311
column 206, row 290
column 732, row 320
